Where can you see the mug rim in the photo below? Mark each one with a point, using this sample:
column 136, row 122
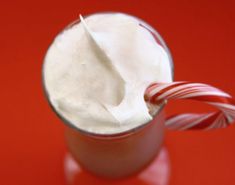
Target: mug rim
column 102, row 135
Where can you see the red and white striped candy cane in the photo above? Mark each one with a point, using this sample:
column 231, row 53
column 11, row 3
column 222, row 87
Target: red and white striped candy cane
column 159, row 92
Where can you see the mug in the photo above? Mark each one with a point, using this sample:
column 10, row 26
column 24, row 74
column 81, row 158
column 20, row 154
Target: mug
column 127, row 154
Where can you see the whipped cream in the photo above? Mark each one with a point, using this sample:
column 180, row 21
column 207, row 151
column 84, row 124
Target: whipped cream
column 96, row 73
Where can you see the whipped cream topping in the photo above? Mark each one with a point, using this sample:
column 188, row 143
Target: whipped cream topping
column 96, row 73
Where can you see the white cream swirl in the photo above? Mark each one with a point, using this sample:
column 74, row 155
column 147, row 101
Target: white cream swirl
column 96, row 72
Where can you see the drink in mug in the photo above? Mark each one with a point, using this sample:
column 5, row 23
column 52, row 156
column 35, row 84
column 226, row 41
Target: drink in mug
column 95, row 75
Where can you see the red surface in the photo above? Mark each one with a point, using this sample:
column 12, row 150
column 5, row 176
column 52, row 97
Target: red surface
column 201, row 37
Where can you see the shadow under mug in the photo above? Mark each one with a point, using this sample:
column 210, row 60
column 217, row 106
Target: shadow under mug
column 115, row 156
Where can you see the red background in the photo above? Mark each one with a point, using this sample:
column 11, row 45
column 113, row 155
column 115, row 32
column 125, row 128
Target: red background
column 200, row 35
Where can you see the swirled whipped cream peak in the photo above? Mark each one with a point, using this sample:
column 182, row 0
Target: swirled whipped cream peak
column 97, row 70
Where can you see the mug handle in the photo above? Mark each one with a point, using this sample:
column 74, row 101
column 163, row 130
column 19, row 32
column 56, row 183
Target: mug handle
column 159, row 92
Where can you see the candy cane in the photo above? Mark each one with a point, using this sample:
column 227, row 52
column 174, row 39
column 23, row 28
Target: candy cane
column 159, row 92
